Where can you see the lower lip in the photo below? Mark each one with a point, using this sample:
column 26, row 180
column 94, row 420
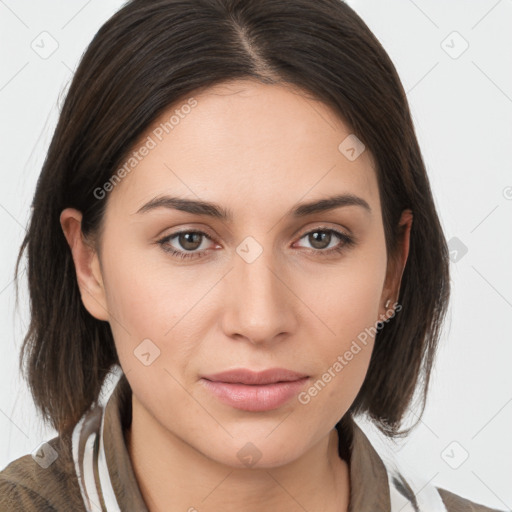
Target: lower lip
column 255, row 398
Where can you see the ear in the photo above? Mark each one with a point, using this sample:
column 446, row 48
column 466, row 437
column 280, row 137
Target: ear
column 87, row 265
column 396, row 264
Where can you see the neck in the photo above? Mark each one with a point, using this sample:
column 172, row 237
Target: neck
column 172, row 475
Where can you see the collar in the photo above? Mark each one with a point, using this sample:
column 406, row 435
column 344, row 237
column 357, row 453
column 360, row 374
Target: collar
column 108, row 484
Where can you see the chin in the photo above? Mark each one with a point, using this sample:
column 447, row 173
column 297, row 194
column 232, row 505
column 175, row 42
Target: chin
column 260, row 453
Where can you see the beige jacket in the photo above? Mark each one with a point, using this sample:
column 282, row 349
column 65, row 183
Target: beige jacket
column 92, row 471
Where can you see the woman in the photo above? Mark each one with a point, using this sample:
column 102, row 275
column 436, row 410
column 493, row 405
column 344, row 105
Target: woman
column 252, row 327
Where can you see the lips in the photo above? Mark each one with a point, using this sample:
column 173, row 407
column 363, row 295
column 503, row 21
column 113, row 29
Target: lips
column 249, row 377
column 252, row 391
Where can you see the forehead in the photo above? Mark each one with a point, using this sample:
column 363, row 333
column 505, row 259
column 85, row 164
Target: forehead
column 247, row 144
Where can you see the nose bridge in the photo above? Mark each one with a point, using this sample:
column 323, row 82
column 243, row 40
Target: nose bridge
column 258, row 304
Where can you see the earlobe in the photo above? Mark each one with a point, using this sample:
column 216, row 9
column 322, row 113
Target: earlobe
column 85, row 258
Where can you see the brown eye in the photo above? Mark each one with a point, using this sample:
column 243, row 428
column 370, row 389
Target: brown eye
column 319, row 239
column 190, row 240
column 186, row 244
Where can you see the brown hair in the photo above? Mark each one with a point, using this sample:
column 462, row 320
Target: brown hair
column 148, row 56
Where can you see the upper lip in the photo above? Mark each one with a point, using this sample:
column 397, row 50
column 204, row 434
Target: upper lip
column 246, row 376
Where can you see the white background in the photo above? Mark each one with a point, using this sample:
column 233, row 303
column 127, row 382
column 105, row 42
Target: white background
column 462, row 110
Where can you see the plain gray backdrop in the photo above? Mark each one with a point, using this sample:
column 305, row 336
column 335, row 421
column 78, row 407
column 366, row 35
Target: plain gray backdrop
column 455, row 61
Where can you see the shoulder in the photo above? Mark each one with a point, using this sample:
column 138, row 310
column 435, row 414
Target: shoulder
column 49, row 484
column 456, row 503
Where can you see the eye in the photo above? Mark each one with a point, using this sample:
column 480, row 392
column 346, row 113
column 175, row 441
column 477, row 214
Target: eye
column 321, row 238
column 189, row 241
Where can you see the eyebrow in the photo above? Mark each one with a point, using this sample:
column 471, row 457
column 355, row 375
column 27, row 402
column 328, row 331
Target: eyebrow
column 213, row 210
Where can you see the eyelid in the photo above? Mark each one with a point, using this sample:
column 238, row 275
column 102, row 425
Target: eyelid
column 324, row 227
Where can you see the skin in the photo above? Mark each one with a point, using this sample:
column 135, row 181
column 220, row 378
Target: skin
column 258, row 150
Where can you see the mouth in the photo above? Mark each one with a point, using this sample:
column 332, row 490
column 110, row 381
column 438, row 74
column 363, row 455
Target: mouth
column 255, row 391
column 250, row 377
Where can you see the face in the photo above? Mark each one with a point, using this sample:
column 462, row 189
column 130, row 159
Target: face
column 268, row 285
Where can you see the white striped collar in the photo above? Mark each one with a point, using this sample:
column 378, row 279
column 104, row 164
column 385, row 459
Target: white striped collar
column 91, row 464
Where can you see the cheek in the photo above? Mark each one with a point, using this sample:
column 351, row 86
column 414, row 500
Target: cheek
column 144, row 294
column 349, row 313
column 342, row 359
column 154, row 309
column 347, row 298
column 336, row 388
column 137, row 309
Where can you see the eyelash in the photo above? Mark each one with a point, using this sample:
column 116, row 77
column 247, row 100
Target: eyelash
column 347, row 242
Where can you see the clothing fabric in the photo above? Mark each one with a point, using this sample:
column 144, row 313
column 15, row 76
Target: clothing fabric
column 92, row 471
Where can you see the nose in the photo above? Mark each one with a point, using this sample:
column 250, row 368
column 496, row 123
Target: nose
column 260, row 306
